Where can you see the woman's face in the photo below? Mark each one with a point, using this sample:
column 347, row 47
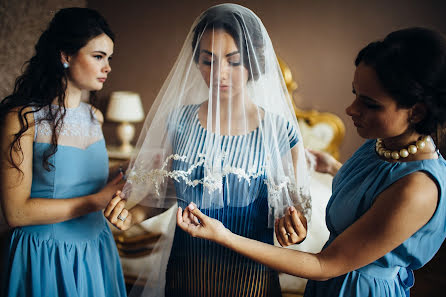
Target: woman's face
column 374, row 112
column 89, row 67
column 220, row 64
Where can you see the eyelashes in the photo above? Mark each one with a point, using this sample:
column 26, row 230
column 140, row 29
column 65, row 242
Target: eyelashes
column 100, row 57
column 209, row 63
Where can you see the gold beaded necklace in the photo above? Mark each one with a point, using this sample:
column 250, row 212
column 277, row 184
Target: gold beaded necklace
column 403, row 153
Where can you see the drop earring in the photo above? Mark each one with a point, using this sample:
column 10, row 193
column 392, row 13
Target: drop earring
column 65, row 65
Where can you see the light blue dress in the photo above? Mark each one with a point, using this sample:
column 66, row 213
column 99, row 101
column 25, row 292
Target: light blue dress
column 77, row 257
column 355, row 187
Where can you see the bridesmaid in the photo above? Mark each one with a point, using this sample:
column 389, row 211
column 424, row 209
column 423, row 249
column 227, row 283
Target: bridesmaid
column 387, row 214
column 54, row 167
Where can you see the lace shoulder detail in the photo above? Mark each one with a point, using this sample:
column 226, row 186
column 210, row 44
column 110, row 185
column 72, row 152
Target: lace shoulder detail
column 79, row 124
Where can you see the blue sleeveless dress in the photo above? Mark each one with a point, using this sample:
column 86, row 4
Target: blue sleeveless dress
column 359, row 181
column 199, row 267
column 77, row 257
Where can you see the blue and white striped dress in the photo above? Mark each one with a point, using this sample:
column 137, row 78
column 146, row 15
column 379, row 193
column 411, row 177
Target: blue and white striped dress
column 202, row 268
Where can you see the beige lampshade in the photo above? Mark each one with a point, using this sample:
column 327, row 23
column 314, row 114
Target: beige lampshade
column 125, row 107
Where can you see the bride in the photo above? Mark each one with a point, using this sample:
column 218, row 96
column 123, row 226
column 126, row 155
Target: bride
column 221, row 134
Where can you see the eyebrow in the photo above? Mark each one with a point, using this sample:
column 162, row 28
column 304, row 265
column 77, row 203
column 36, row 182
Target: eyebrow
column 228, row 55
column 364, row 96
column 101, row 52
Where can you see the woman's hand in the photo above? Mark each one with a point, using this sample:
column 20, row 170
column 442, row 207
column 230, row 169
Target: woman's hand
column 291, row 228
column 103, row 197
column 118, row 169
column 197, row 224
column 117, row 214
column 324, row 162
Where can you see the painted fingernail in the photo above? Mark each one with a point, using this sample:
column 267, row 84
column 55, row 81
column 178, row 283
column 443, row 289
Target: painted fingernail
column 191, row 206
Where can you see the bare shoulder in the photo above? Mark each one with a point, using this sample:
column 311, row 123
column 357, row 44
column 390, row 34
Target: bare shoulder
column 16, row 118
column 417, row 190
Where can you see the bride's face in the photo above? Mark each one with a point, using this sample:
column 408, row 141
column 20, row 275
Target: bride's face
column 220, row 64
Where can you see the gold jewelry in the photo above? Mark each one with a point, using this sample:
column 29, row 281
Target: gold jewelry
column 403, row 153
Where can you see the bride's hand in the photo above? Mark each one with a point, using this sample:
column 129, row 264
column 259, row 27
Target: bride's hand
column 291, row 228
column 197, row 224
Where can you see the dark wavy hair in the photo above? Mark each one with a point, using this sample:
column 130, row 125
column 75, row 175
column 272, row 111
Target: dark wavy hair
column 44, row 78
column 242, row 24
column 411, row 65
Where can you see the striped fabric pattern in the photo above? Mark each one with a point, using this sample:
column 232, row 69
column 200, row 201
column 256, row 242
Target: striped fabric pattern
column 201, row 268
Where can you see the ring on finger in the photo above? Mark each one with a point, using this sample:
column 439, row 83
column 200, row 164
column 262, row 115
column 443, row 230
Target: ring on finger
column 121, row 218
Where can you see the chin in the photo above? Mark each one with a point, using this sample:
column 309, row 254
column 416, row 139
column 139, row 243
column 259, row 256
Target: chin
column 97, row 87
column 363, row 134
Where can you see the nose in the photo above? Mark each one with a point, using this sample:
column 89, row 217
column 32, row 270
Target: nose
column 221, row 70
column 107, row 68
column 352, row 109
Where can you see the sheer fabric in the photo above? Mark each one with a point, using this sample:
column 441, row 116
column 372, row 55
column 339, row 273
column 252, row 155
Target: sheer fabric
column 222, row 134
column 80, row 127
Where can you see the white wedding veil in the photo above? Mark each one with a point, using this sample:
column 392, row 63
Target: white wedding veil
column 221, row 133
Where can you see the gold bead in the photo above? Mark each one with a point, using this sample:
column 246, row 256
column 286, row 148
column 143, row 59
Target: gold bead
column 387, row 154
column 404, row 153
column 381, row 151
column 395, row 155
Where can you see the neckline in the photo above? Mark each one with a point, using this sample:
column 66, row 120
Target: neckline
column 73, row 147
column 225, row 135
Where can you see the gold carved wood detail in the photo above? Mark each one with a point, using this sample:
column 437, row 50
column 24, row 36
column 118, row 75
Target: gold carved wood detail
column 313, row 117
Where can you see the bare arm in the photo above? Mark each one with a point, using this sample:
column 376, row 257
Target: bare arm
column 15, row 187
column 396, row 215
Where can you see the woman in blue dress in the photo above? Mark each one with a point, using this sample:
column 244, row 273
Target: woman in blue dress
column 55, row 167
column 387, row 213
column 222, row 131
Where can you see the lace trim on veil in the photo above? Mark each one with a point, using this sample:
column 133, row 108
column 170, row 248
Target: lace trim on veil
column 213, row 181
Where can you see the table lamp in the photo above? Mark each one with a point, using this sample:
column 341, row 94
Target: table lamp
column 125, row 108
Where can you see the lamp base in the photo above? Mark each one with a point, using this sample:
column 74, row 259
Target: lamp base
column 125, row 148
column 125, row 132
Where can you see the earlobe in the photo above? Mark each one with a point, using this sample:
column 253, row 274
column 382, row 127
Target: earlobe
column 64, row 59
column 417, row 113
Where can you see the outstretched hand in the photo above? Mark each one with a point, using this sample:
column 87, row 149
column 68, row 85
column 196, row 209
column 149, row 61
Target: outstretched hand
column 197, row 224
column 291, row 228
column 323, row 162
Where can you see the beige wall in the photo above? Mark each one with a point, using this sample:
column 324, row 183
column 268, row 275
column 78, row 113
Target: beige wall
column 318, row 39
column 21, row 24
